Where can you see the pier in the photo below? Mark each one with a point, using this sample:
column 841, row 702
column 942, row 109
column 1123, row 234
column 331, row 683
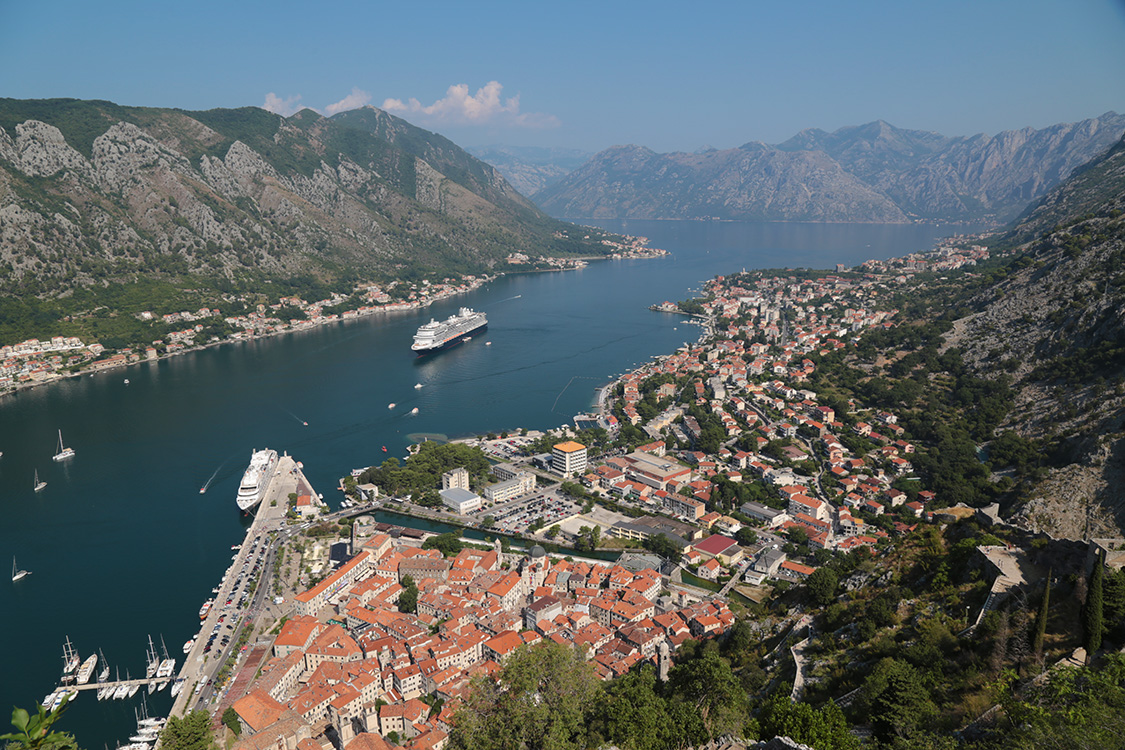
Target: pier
column 199, row 669
column 141, row 682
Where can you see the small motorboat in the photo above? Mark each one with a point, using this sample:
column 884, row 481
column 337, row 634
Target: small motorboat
column 391, row 405
column 384, row 449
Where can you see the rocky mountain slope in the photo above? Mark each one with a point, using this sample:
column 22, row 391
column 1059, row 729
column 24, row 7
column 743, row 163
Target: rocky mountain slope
column 874, row 172
column 93, row 192
column 529, row 169
column 1056, row 323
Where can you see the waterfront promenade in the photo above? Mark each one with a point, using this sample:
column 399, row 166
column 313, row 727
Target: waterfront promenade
column 199, row 669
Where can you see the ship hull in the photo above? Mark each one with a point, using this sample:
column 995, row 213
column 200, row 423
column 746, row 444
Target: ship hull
column 451, row 342
column 252, row 488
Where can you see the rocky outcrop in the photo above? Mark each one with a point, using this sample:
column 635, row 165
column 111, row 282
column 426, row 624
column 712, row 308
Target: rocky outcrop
column 1056, row 324
column 91, row 192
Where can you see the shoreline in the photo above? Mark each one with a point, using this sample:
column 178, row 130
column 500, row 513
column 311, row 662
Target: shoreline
column 309, row 324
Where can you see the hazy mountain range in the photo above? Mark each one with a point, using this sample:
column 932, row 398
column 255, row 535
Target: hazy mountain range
column 529, row 169
column 867, row 173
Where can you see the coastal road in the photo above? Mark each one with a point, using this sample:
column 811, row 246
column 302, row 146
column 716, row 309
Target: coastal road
column 200, row 668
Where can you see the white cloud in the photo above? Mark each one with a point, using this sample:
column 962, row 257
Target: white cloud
column 354, row 100
column 484, row 107
column 279, row 106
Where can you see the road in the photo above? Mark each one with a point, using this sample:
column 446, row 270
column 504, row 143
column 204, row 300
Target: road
column 266, row 533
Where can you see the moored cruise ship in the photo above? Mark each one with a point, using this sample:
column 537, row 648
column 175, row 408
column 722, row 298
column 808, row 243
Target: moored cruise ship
column 433, row 335
column 254, row 481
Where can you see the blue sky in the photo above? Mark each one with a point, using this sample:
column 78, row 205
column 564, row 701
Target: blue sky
column 671, row 76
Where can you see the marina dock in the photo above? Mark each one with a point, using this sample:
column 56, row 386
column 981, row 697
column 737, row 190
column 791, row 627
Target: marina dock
column 141, row 682
column 259, row 546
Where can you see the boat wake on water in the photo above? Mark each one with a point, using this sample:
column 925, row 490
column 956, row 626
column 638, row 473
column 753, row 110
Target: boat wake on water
column 207, row 484
column 303, row 422
column 507, row 299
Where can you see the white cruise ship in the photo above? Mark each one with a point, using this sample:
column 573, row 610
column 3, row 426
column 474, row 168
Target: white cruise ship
column 433, row 335
column 254, row 481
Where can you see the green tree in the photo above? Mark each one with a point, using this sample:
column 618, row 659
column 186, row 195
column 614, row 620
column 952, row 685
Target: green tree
column 448, row 544
column 663, row 546
column 746, row 536
column 824, row 728
column 1077, row 708
column 553, row 531
column 540, row 699
column 707, row 684
column 1041, row 621
column 588, row 538
column 895, row 699
column 408, row 599
column 35, row 733
column 1093, row 621
column 230, row 718
column 1114, row 609
column 573, row 490
column 633, row 715
column 822, row 586
column 191, row 732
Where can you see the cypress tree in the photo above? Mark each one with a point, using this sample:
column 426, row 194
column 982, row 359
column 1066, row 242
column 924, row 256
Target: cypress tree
column 1093, row 615
column 1041, row 621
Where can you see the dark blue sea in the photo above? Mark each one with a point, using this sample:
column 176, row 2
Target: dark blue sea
column 122, row 545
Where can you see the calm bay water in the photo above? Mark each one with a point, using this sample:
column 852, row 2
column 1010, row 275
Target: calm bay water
column 121, row 544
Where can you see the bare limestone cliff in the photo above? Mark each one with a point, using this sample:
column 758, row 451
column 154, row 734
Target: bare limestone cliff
column 1057, row 324
column 93, row 193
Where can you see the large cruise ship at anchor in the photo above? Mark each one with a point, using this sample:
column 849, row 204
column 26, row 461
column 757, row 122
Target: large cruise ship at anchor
column 433, row 335
column 254, row 481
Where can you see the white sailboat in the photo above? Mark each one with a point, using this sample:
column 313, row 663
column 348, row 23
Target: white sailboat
column 63, row 452
column 104, row 674
column 120, row 691
column 166, row 669
column 70, row 658
column 86, row 671
column 16, row 572
column 104, row 690
column 152, row 666
column 39, row 485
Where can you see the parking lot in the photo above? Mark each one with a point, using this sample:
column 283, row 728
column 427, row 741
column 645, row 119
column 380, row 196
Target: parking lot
column 516, row 515
column 507, row 449
column 240, row 593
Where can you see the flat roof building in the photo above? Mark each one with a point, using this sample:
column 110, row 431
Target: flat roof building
column 569, row 458
column 520, row 484
column 455, row 478
column 459, row 500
